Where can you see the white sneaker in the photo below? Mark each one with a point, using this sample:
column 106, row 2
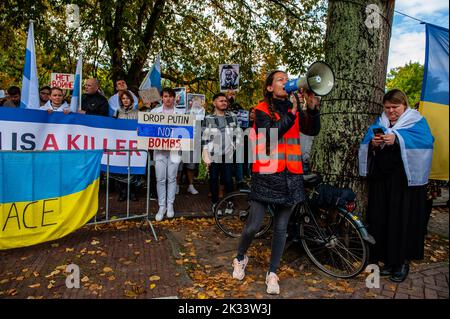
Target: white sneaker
column 239, row 268
column 191, row 189
column 178, row 190
column 272, row 284
column 170, row 211
column 160, row 215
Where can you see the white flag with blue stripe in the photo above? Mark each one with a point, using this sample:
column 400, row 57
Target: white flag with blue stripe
column 29, row 97
column 153, row 77
column 76, row 93
column 416, row 145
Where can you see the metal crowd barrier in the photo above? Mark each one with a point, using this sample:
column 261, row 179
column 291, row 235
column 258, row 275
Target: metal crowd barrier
column 146, row 216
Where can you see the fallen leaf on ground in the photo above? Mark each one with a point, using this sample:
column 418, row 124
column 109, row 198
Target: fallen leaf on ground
column 154, row 278
column 35, row 285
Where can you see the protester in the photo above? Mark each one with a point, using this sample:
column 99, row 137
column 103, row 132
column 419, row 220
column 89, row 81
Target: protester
column 126, row 111
column 166, row 162
column 277, row 171
column 396, row 155
column 44, row 95
column 94, row 103
column 218, row 131
column 190, row 164
column 13, row 99
column 114, row 104
column 238, row 166
column 56, row 102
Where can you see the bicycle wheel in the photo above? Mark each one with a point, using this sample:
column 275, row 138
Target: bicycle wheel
column 232, row 211
column 332, row 242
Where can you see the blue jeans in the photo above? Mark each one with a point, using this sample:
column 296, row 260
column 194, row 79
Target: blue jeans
column 215, row 171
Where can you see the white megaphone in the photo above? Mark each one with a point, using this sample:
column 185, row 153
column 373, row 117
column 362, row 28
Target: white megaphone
column 319, row 79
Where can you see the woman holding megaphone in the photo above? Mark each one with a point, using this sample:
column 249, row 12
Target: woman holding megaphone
column 277, row 171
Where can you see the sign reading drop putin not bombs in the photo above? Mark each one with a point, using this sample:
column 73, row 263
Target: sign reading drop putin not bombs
column 170, row 132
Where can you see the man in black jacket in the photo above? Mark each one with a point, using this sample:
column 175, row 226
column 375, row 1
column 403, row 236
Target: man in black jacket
column 93, row 103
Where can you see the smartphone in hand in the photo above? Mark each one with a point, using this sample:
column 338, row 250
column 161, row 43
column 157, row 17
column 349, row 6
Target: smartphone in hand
column 378, row 131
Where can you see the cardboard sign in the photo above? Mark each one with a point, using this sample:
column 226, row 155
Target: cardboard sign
column 166, row 131
column 63, row 81
column 150, row 95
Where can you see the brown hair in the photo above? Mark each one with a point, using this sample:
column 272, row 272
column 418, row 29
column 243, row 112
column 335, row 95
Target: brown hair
column 396, row 96
column 268, row 96
column 121, row 94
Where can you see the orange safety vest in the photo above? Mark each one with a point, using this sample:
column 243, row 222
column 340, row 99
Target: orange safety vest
column 286, row 153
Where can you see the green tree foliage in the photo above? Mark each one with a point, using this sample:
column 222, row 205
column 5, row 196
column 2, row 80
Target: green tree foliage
column 407, row 78
column 122, row 38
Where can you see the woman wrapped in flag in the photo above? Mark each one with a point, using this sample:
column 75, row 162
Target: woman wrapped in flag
column 396, row 156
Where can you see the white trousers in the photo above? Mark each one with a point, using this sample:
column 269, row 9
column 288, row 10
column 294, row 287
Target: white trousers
column 166, row 167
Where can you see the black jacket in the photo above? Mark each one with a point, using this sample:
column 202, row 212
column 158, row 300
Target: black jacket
column 282, row 188
column 95, row 104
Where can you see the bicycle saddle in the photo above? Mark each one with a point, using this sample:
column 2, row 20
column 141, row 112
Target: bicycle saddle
column 312, row 180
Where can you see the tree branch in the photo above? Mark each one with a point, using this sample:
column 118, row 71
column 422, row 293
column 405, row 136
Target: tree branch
column 146, row 42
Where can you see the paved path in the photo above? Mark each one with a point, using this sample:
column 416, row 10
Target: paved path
column 192, row 260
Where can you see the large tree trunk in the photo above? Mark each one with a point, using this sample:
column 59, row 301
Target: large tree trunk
column 356, row 47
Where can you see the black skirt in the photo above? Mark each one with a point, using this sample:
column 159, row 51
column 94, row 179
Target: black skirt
column 282, row 188
column 396, row 212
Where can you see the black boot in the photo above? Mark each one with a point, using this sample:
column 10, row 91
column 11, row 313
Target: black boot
column 386, row 271
column 400, row 273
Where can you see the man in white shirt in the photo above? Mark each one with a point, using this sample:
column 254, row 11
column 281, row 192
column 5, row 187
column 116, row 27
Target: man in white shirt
column 166, row 162
column 113, row 101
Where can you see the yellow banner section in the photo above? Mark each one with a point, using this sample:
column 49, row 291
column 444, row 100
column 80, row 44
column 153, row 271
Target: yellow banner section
column 437, row 118
column 29, row 223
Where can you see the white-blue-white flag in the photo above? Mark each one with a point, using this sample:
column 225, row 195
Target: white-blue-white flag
column 76, row 93
column 29, row 97
column 153, row 77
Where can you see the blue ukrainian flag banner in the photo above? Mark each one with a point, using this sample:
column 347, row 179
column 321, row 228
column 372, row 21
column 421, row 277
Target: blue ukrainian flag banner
column 46, row 195
column 434, row 104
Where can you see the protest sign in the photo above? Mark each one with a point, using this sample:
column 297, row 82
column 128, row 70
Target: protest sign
column 180, row 98
column 166, row 131
column 243, row 118
column 229, row 77
column 63, row 81
column 150, row 95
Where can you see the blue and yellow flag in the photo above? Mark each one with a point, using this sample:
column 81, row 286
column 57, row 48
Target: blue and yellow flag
column 46, row 195
column 434, row 99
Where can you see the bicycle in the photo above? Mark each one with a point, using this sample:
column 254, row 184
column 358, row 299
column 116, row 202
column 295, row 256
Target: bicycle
column 334, row 238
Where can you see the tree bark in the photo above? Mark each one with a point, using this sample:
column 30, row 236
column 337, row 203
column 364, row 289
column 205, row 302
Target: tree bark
column 134, row 72
column 356, row 47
